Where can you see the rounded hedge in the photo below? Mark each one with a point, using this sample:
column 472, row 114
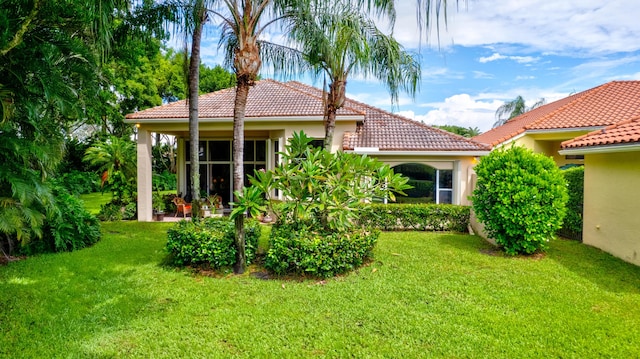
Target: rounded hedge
column 520, row 197
column 319, row 254
column 210, row 241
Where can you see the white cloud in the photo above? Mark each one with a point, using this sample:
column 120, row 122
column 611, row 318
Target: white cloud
column 519, row 59
column 560, row 27
column 460, row 110
column 521, row 78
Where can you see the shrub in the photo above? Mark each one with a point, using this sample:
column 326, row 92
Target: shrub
column 68, row 227
column 209, row 241
column 78, row 182
column 110, row 212
column 318, row 229
column 572, row 226
column 303, row 251
column 417, row 217
column 164, row 181
column 520, row 197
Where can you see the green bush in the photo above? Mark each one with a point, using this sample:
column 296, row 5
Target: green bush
column 520, row 197
column 209, row 241
column 110, row 212
column 78, row 182
column 68, row 227
column 164, row 181
column 302, row 251
column 572, row 226
column 417, row 217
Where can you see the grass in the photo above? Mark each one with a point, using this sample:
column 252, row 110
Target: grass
column 93, row 201
column 424, row 295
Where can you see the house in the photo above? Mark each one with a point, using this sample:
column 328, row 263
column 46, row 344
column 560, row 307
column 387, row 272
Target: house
column 599, row 128
column 611, row 187
column 546, row 127
column 276, row 110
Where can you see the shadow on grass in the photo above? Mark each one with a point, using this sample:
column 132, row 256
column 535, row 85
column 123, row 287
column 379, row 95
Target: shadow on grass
column 598, row 267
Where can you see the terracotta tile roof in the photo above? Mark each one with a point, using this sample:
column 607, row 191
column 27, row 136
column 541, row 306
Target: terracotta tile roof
column 621, row 133
column 391, row 132
column 600, row 106
column 268, row 98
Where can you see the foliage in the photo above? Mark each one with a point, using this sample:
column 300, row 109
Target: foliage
column 158, row 202
column 209, row 241
column 514, row 108
column 417, row 217
column 572, row 225
column 115, row 159
column 325, row 193
column 458, row 130
column 70, row 227
column 78, row 182
column 325, row 190
column 164, row 181
column 520, row 197
column 339, row 38
column 307, row 252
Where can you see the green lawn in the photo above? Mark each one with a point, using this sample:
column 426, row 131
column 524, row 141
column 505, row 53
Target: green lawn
column 425, row 295
column 93, row 201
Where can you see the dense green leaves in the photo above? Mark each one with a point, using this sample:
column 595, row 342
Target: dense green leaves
column 572, row 225
column 520, row 197
column 417, row 217
column 209, row 241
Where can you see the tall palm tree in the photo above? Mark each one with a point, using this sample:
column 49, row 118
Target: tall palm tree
column 243, row 23
column 514, row 108
column 339, row 38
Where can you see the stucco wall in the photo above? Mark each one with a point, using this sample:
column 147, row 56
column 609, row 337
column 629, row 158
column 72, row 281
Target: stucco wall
column 612, row 204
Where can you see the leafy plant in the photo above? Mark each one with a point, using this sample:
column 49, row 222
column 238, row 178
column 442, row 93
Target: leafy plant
column 209, row 241
column 417, row 217
column 158, row 202
column 520, row 197
column 324, row 190
column 572, row 225
column 315, row 253
column 318, row 228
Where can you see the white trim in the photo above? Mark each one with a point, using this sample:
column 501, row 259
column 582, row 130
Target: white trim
column 630, row 147
column 421, row 153
column 553, row 130
column 565, row 130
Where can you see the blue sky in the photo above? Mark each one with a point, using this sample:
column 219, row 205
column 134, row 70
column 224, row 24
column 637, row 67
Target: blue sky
column 495, row 50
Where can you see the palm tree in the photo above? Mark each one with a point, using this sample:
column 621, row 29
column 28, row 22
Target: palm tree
column 514, row 108
column 115, row 159
column 339, row 39
column 243, row 23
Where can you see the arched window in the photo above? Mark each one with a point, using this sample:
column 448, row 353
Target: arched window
column 430, row 185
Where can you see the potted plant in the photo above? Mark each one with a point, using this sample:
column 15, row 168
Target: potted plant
column 216, row 203
column 158, row 206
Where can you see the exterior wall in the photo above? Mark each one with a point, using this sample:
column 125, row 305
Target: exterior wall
column 549, row 145
column 612, row 204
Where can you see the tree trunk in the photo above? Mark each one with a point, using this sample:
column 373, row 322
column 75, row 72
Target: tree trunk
column 194, row 133
column 335, row 100
column 242, row 92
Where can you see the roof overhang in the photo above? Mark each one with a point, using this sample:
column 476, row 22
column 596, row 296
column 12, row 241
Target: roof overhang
column 158, row 121
column 374, row 151
column 558, row 131
column 626, row 147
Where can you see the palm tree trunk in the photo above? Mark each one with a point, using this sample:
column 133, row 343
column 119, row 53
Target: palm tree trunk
column 335, row 101
column 194, row 133
column 242, row 92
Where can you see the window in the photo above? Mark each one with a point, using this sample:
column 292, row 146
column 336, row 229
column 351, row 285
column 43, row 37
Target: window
column 574, row 157
column 444, row 186
column 216, row 165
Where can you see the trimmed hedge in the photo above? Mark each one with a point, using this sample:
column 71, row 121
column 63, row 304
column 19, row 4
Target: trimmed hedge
column 417, row 217
column 210, row 241
column 302, row 251
column 572, row 226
